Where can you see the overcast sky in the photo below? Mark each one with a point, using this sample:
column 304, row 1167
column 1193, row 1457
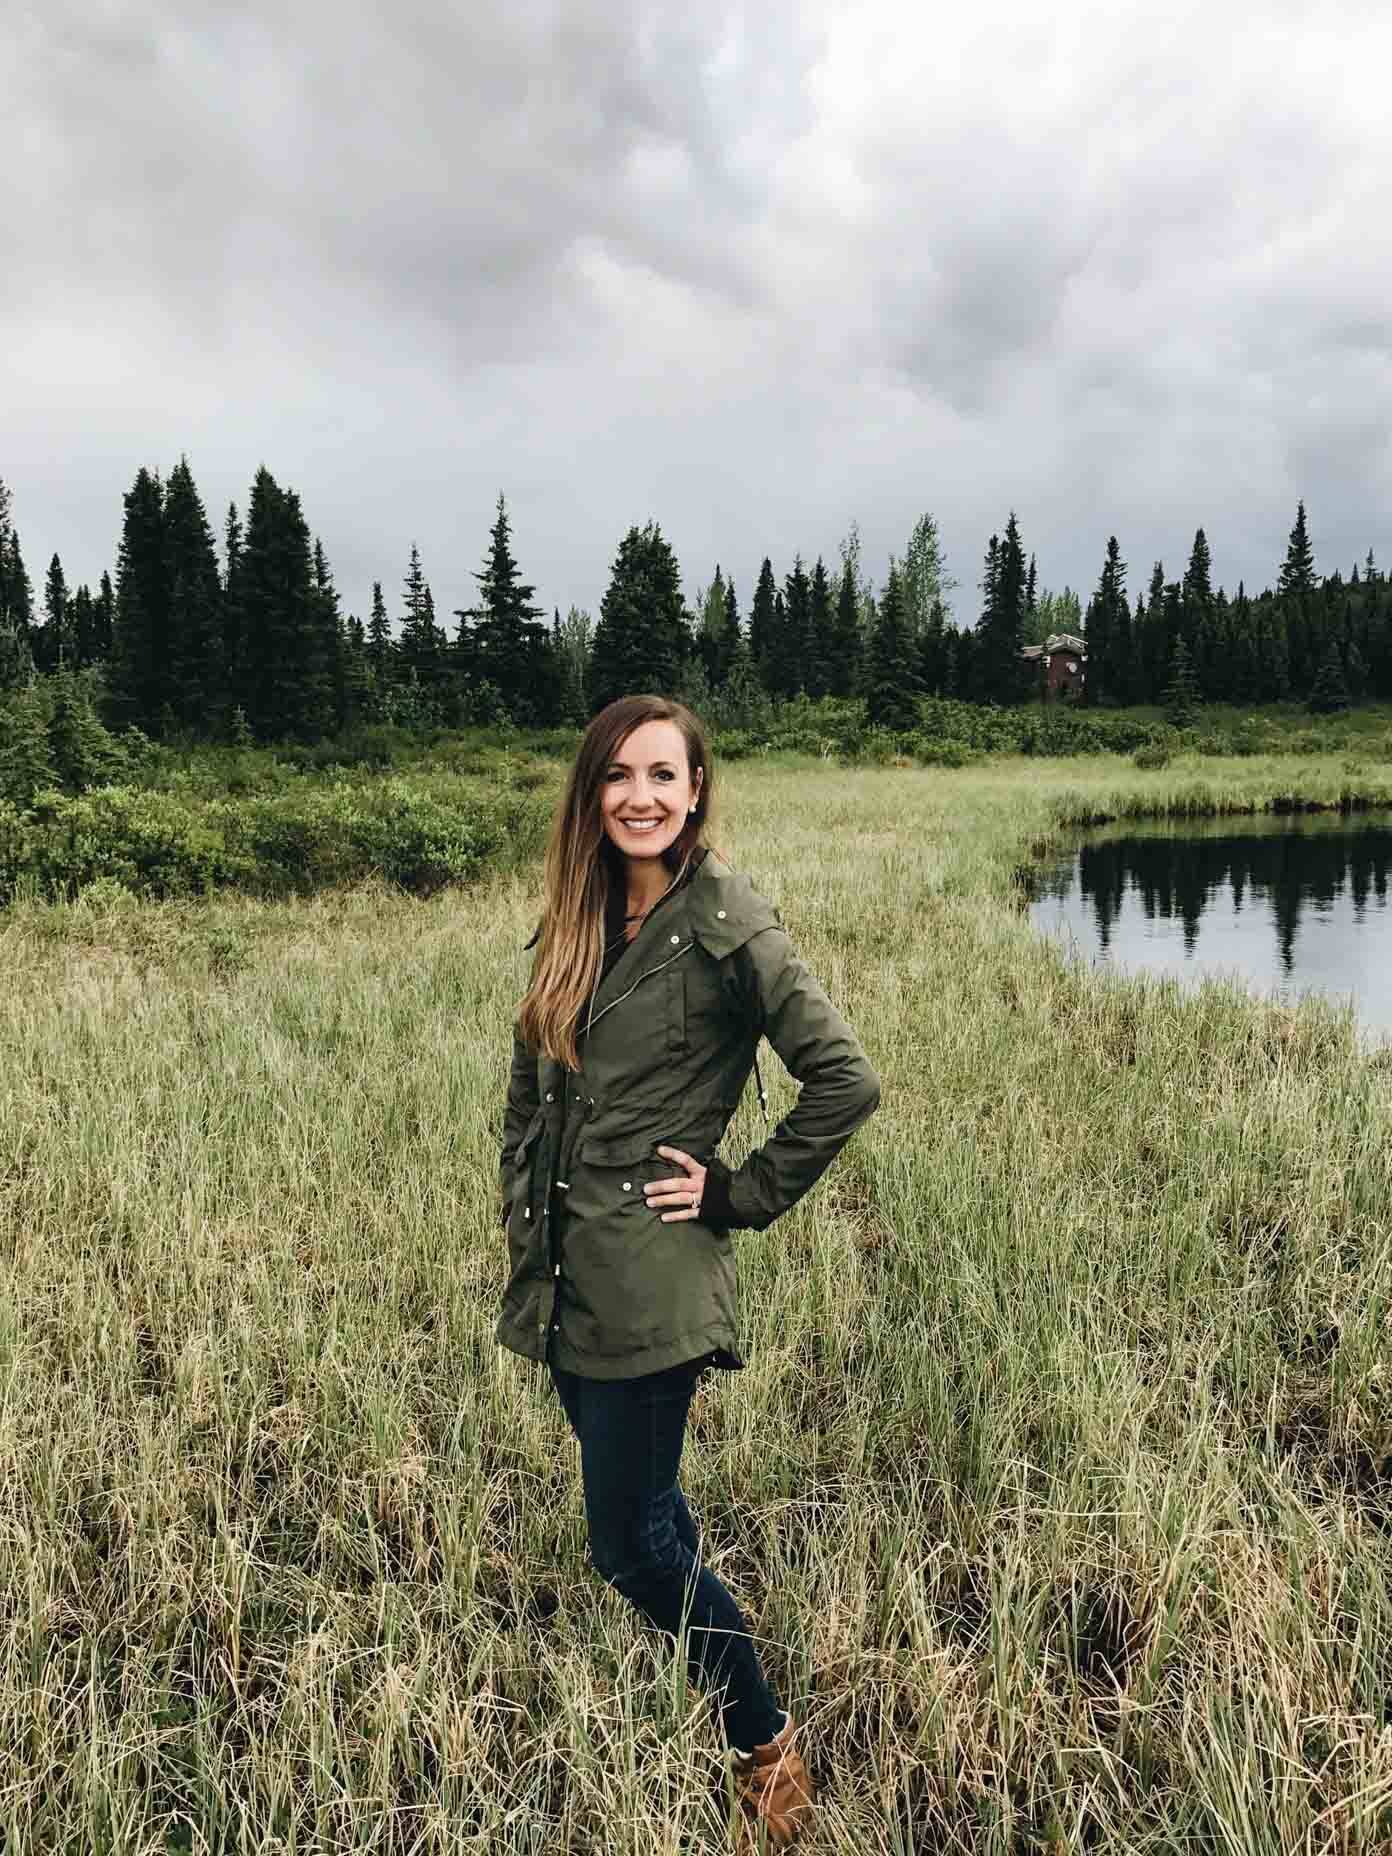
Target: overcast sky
column 751, row 271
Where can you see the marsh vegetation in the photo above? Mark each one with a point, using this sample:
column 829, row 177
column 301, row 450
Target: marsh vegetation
column 1058, row 1486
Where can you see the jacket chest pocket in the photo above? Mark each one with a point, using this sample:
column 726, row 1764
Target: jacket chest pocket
column 675, row 977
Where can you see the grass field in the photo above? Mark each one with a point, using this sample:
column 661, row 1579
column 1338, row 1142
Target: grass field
column 1058, row 1486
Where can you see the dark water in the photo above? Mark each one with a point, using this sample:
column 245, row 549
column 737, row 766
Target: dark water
column 1285, row 905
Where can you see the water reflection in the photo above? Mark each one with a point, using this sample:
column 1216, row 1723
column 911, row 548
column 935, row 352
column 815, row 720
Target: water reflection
column 1285, row 904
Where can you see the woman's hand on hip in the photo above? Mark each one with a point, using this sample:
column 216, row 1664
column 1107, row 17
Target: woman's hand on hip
column 684, row 1193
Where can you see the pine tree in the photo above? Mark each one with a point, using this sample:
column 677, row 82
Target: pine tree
column 139, row 677
column 641, row 643
column 844, row 660
column 763, row 620
column 195, row 685
column 892, row 683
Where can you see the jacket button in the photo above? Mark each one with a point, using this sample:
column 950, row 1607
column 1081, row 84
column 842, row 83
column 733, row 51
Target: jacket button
column 720, row 915
column 676, row 940
column 628, row 1185
column 549, row 1096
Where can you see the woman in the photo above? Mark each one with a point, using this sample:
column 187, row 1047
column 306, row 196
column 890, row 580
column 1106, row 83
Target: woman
column 659, row 969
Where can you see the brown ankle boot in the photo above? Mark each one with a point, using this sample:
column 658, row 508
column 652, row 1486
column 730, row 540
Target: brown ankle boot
column 775, row 1792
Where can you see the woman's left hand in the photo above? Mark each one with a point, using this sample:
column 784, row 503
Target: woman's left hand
column 684, row 1192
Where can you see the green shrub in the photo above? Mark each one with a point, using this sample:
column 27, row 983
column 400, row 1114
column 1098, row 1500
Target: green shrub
column 929, row 751
column 1154, row 755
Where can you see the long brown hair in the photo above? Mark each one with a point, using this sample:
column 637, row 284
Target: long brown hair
column 583, row 868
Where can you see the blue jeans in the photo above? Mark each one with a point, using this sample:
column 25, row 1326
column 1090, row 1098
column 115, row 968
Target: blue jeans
column 644, row 1542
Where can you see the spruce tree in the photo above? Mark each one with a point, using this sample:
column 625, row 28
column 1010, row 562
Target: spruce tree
column 355, row 678
column 1002, row 674
column 641, row 643
column 923, row 575
column 52, row 642
column 577, row 631
column 1108, row 633
column 843, row 673
column 139, row 677
column 331, row 636
column 1181, row 691
column 763, row 621
column 1329, row 692
column 935, row 653
column 892, row 686
column 512, row 650
column 1152, row 650
column 1244, row 683
column 1296, row 589
column 421, row 651
column 712, row 646
column 290, row 671
column 196, row 685
column 79, row 748
column 16, row 590
column 1198, row 610
column 233, row 668
column 821, row 633
column 82, row 627
column 16, row 659
column 790, row 666
column 25, row 767
column 103, row 619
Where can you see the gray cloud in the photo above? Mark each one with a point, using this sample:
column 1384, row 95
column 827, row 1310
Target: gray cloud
column 751, row 270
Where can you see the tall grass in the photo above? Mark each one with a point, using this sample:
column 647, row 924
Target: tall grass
column 1057, row 1485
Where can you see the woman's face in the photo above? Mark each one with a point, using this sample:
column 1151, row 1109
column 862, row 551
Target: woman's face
column 648, row 790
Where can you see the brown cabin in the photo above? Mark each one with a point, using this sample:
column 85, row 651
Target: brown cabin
column 1062, row 661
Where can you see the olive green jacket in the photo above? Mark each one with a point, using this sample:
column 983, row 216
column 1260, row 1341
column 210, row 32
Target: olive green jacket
column 666, row 1055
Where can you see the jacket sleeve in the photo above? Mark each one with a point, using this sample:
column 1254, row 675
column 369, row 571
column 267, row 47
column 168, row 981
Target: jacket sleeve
column 839, row 1090
column 523, row 1101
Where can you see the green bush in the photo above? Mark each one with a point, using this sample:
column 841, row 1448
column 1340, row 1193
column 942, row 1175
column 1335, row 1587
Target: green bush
column 1154, row 755
column 930, row 751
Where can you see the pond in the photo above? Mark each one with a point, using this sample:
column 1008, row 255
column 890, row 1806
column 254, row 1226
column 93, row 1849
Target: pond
column 1286, row 904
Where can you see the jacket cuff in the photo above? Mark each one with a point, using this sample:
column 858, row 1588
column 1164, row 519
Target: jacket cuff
column 717, row 1207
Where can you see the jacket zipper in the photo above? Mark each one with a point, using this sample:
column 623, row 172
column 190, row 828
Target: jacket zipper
column 636, row 984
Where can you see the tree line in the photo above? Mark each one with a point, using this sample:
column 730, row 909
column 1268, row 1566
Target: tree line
column 251, row 642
